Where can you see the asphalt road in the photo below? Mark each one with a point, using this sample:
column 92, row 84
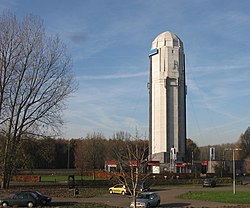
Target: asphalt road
column 168, row 198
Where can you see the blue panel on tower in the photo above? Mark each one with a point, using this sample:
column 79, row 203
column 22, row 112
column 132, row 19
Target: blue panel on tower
column 153, row 52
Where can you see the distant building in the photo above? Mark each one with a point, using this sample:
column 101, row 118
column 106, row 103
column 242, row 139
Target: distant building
column 167, row 100
column 111, row 166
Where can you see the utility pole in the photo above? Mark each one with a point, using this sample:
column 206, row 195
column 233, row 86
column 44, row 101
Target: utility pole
column 68, row 154
column 234, row 171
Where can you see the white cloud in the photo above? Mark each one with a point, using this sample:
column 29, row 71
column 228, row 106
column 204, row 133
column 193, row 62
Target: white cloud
column 113, row 76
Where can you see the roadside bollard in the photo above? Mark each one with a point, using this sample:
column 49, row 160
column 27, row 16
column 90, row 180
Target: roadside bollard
column 76, row 192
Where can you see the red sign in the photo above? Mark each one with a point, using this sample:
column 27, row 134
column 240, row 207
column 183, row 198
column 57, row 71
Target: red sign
column 181, row 164
column 204, row 163
column 153, row 163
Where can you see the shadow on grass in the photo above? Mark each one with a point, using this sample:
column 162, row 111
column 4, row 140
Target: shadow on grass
column 159, row 189
column 175, row 205
column 79, row 205
column 63, row 204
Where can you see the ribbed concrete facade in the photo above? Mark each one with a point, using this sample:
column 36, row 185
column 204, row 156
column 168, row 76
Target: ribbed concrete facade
column 167, row 91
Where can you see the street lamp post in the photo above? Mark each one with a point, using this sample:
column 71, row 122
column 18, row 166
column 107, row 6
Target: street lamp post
column 68, row 165
column 234, row 179
column 234, row 171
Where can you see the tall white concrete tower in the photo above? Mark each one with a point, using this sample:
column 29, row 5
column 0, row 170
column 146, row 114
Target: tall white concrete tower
column 167, row 102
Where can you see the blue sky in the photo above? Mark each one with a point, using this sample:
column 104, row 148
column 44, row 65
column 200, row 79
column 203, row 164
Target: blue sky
column 109, row 41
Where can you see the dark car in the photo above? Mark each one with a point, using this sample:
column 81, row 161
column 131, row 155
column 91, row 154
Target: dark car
column 209, row 182
column 144, row 186
column 26, row 199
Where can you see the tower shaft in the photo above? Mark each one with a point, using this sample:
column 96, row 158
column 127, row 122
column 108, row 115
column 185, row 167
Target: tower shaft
column 167, row 120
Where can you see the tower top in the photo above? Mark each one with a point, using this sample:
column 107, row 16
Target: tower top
column 168, row 39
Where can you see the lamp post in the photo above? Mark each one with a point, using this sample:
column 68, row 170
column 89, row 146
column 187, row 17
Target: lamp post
column 234, row 178
column 68, row 165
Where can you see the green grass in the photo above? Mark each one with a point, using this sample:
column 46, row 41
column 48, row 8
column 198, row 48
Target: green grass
column 92, row 192
column 241, row 197
column 83, row 192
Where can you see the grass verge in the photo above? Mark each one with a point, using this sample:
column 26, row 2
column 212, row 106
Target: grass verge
column 81, row 205
column 83, row 192
column 241, row 197
column 57, row 178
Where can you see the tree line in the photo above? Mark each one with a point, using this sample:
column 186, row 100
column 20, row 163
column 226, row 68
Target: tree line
column 92, row 151
column 86, row 153
column 224, row 151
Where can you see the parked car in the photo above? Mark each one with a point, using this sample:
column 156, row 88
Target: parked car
column 44, row 199
column 141, row 187
column 146, row 200
column 144, row 186
column 118, row 189
column 26, row 199
column 209, row 182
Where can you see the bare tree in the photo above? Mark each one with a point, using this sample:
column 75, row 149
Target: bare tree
column 90, row 153
column 131, row 162
column 35, row 79
column 80, row 157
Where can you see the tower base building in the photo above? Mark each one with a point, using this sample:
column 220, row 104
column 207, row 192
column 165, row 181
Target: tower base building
column 167, row 100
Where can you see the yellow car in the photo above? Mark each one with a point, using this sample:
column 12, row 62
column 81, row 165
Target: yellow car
column 118, row 189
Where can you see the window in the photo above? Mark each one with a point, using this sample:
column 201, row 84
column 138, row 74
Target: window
column 175, row 64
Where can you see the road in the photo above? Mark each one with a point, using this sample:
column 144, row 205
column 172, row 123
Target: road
column 168, row 198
